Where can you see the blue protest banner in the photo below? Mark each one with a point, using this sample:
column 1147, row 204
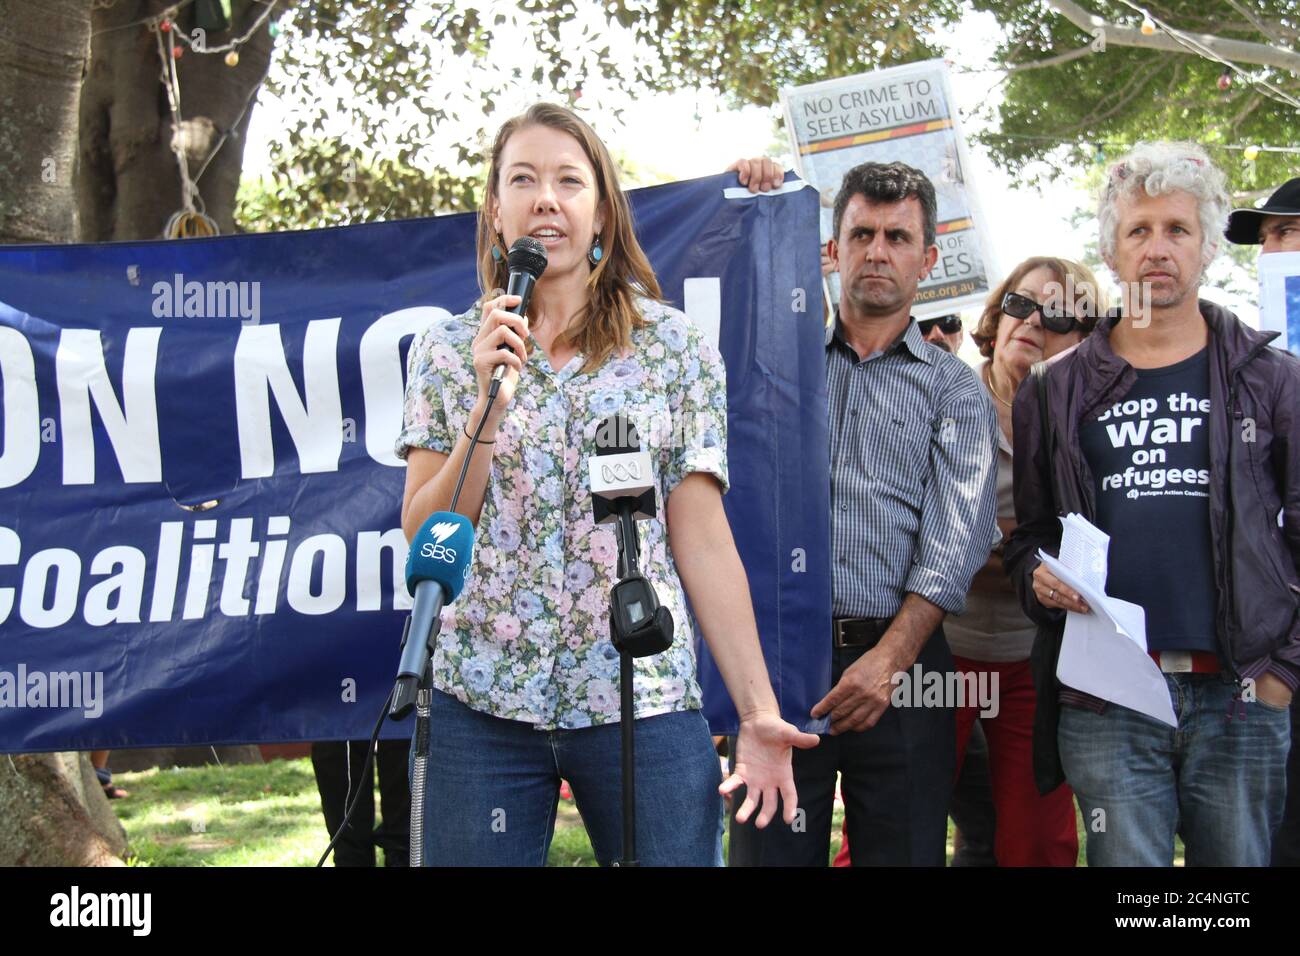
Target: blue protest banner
column 199, row 536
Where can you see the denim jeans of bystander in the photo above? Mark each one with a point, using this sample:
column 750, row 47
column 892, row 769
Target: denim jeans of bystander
column 1218, row 780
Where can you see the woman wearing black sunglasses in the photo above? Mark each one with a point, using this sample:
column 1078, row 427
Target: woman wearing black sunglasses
column 1043, row 307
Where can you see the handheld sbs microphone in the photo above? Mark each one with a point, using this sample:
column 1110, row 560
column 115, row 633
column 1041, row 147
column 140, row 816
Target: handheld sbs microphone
column 527, row 262
column 436, row 568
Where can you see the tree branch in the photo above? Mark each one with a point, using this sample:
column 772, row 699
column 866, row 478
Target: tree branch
column 1136, row 84
column 1051, row 60
column 1242, row 51
column 1252, row 102
column 1255, row 21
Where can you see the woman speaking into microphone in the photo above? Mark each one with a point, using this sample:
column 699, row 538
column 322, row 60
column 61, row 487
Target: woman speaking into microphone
column 525, row 675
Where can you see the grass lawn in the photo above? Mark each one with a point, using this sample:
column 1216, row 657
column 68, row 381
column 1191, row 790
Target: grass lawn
column 269, row 815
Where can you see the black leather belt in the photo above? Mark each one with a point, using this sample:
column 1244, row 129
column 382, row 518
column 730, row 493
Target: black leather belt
column 858, row 631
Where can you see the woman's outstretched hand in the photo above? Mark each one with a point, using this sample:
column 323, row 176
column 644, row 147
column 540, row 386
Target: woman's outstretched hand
column 763, row 765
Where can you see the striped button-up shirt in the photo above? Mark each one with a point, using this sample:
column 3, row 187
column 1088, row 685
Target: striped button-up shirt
column 913, row 475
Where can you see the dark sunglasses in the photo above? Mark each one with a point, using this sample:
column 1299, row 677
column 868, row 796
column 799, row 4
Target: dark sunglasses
column 948, row 324
column 1055, row 319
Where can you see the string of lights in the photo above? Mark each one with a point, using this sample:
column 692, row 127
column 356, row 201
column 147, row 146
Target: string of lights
column 171, row 41
column 1148, row 28
column 231, row 49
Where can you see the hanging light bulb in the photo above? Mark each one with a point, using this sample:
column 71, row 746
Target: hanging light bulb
column 232, row 58
column 177, row 51
column 1148, row 26
column 165, row 26
column 1251, row 153
column 1225, row 79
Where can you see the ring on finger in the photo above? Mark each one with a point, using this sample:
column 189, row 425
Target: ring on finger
column 1052, row 596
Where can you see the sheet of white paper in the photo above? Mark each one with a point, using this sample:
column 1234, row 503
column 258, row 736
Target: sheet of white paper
column 1098, row 660
column 1105, row 653
column 1117, row 614
column 1084, row 549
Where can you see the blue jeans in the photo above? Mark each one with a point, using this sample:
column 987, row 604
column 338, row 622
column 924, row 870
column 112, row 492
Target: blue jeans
column 493, row 788
column 1218, row 780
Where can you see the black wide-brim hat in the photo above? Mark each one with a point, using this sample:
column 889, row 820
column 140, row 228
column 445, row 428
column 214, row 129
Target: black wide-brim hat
column 1243, row 224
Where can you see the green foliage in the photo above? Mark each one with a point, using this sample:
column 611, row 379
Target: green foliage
column 1060, row 114
column 407, row 78
column 324, row 184
column 750, row 49
column 404, row 79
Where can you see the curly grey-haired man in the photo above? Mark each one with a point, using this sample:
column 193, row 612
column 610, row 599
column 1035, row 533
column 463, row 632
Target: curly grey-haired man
column 1175, row 428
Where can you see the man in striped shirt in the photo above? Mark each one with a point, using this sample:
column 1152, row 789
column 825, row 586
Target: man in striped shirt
column 913, row 439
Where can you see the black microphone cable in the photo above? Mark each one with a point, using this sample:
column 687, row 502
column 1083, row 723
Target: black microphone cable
column 383, row 712
column 493, row 389
column 527, row 261
column 365, row 779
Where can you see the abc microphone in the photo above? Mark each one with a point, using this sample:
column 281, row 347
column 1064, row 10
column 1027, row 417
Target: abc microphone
column 619, row 470
column 436, row 568
column 623, row 490
column 527, row 262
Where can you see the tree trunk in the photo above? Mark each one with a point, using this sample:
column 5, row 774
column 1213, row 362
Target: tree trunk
column 52, row 809
column 129, row 181
column 43, row 46
column 54, row 813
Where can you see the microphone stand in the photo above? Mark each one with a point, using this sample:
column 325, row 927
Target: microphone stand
column 420, row 767
column 639, row 626
column 629, row 552
column 406, row 691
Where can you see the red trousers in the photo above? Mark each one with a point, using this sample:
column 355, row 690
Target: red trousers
column 1032, row 830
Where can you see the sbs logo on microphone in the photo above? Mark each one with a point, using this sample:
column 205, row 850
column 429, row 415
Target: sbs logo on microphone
column 442, row 531
column 439, row 552
column 435, row 549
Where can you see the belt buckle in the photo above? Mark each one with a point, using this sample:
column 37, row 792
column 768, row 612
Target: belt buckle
column 837, row 630
column 1176, row 662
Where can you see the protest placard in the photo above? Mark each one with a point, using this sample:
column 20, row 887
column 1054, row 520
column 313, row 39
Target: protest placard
column 1279, row 297
column 904, row 114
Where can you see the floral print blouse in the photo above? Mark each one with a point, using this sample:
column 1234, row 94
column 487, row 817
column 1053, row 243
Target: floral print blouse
column 528, row 638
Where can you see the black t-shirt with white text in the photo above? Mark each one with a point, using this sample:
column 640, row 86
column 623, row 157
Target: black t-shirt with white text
column 1150, row 459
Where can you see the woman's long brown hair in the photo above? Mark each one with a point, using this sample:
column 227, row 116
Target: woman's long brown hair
column 606, row 322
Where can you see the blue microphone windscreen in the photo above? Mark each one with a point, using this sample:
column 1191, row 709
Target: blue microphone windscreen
column 441, row 551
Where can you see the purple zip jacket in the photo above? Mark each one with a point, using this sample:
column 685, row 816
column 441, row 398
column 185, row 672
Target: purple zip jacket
column 1254, row 436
